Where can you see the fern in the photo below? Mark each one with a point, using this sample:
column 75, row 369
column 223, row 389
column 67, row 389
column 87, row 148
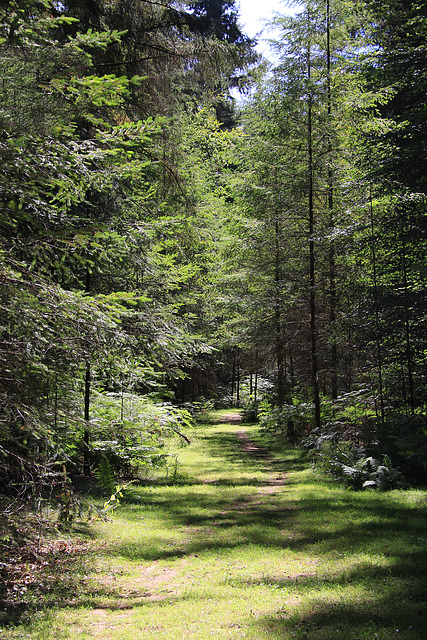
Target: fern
column 105, row 477
column 365, row 472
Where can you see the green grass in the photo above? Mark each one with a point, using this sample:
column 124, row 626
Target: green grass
column 228, row 551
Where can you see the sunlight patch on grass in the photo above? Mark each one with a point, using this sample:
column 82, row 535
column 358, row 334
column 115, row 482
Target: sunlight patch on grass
column 233, row 551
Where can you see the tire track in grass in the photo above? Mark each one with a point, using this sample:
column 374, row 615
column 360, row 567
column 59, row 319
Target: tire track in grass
column 252, row 449
column 158, row 585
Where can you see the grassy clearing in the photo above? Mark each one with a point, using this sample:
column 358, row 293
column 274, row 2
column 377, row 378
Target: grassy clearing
column 243, row 545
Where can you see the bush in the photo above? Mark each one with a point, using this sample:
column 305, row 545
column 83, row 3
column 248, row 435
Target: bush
column 358, row 471
column 130, row 431
column 404, row 438
column 339, row 452
column 250, row 411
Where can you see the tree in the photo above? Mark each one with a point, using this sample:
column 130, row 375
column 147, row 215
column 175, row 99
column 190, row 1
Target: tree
column 397, row 64
column 80, row 193
column 398, row 35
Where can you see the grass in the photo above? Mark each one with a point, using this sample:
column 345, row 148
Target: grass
column 246, row 544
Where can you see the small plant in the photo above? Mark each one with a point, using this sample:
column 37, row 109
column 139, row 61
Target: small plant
column 105, row 476
column 113, row 501
column 70, row 506
column 129, row 432
column 250, row 411
column 358, row 471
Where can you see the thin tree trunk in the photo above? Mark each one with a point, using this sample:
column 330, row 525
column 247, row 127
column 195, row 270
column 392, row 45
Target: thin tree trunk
column 291, row 368
column 86, row 463
column 313, row 330
column 56, row 404
column 280, row 347
column 233, row 375
column 377, row 313
column 238, row 383
column 193, row 384
column 86, row 435
column 122, row 405
column 256, row 376
column 184, row 387
column 408, row 346
column 332, row 268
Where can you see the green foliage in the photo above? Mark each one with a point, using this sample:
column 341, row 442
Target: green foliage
column 105, row 476
column 113, row 501
column 47, row 334
column 70, row 506
column 250, row 412
column 128, row 434
column 286, row 422
column 404, row 437
column 398, row 32
column 358, row 471
column 347, row 446
column 176, row 254
column 91, row 262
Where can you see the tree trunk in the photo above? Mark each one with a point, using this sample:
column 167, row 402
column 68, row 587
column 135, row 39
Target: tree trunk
column 313, row 329
column 332, row 269
column 408, row 346
column 86, row 435
column 86, row 463
column 377, row 313
column 233, row 375
column 238, row 383
column 256, row 376
column 280, row 346
column 278, row 277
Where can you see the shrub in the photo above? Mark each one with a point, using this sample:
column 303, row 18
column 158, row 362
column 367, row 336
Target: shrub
column 250, row 411
column 404, row 438
column 340, row 454
column 358, row 471
column 130, row 431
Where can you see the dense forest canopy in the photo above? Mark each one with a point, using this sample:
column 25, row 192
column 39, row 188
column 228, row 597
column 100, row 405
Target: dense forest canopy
column 164, row 248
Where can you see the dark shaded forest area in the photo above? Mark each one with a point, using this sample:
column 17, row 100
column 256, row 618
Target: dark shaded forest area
column 167, row 248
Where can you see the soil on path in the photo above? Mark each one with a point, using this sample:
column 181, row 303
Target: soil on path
column 157, row 584
column 151, row 579
column 252, row 449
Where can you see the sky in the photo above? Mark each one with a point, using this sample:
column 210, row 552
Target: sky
column 254, row 12
column 253, row 15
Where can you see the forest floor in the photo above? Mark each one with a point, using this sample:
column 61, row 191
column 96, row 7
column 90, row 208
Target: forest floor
column 242, row 542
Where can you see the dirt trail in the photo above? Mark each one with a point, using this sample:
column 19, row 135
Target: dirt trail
column 157, row 584
column 252, row 449
column 166, row 579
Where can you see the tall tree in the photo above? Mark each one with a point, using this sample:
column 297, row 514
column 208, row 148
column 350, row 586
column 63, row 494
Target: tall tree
column 396, row 162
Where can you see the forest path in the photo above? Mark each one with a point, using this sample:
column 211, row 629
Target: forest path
column 247, row 543
column 197, row 559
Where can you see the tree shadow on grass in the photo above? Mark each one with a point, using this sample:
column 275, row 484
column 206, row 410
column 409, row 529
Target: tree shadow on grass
column 335, row 621
column 377, row 584
column 390, row 603
column 346, row 526
column 229, row 447
column 228, row 524
column 333, row 526
column 338, row 525
column 368, row 597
